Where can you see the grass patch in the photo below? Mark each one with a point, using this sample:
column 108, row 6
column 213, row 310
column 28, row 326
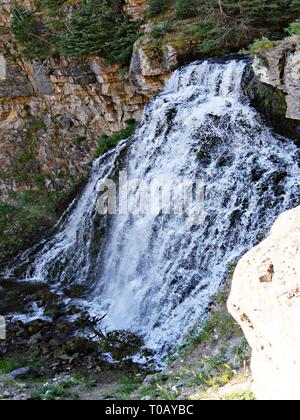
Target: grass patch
column 7, row 365
column 61, row 391
column 126, row 386
column 108, row 142
column 32, row 212
column 240, row 396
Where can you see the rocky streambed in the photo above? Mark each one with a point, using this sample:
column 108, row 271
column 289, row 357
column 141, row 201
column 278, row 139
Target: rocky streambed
column 63, row 339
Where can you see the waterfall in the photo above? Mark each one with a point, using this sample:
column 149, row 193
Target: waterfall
column 155, row 274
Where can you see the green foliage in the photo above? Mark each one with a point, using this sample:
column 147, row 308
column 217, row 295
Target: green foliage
column 294, row 28
column 119, row 47
column 7, row 365
column 186, row 9
column 36, row 41
column 259, row 45
column 219, row 323
column 32, row 212
column 156, row 7
column 127, row 385
column 158, row 31
column 52, row 3
column 158, row 388
column 61, row 391
column 242, row 353
column 108, row 142
column 241, row 396
column 121, row 344
column 99, row 27
column 227, row 26
column 79, row 139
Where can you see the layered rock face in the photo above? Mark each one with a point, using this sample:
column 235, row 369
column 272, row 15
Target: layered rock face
column 283, row 72
column 274, row 86
column 68, row 103
column 265, row 300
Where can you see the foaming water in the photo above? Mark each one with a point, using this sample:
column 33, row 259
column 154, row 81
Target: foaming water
column 155, row 275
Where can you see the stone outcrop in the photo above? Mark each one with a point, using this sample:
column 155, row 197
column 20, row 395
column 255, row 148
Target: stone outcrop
column 136, row 8
column 70, row 102
column 281, row 69
column 265, row 300
column 274, row 85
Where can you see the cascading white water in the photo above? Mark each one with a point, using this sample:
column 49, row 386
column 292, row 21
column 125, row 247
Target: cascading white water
column 155, row 275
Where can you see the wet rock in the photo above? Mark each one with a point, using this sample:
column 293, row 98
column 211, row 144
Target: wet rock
column 18, row 296
column 80, row 345
column 24, row 373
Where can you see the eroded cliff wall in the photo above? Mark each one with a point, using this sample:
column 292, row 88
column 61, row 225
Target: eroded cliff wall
column 68, row 103
column 53, row 113
column 265, row 300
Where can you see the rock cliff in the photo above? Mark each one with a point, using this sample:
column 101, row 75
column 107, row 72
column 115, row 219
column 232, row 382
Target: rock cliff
column 274, row 86
column 265, row 300
column 70, row 102
column 54, row 111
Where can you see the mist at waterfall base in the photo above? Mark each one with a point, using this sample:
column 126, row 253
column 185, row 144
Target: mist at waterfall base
column 155, row 275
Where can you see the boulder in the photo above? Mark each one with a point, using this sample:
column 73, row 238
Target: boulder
column 273, row 86
column 265, row 300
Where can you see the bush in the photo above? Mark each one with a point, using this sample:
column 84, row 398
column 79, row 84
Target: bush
column 186, row 9
column 158, row 31
column 294, row 28
column 259, row 45
column 52, row 3
column 107, row 142
column 156, row 7
column 99, row 27
column 229, row 26
column 31, row 34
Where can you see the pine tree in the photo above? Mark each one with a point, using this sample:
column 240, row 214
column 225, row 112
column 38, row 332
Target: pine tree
column 228, row 25
column 258, row 15
column 156, row 7
column 186, row 9
column 31, row 34
column 99, row 27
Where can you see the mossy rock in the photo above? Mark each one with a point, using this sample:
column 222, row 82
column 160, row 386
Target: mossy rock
column 79, row 345
column 271, row 102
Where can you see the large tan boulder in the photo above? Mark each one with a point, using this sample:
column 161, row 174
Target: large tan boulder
column 265, row 300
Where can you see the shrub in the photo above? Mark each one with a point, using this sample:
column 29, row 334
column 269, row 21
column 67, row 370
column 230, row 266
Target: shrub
column 52, row 3
column 186, row 9
column 158, row 31
column 294, row 28
column 31, row 34
column 259, row 45
column 107, row 142
column 156, row 7
column 99, row 27
column 227, row 26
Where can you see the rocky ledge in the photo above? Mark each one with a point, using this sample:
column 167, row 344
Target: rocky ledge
column 265, row 300
column 273, row 85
